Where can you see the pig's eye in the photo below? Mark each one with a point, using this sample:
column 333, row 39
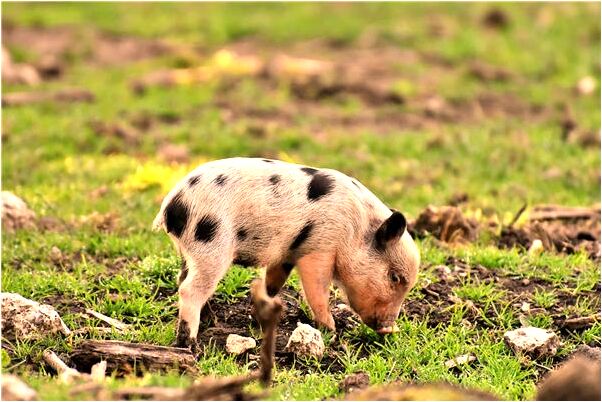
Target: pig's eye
column 395, row 277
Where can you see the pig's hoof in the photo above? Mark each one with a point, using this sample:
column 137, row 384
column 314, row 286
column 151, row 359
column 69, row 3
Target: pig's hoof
column 195, row 348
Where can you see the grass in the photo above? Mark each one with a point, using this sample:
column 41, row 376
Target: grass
column 55, row 161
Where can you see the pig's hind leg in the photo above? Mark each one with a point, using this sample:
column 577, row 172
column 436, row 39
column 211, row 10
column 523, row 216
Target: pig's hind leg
column 316, row 271
column 197, row 286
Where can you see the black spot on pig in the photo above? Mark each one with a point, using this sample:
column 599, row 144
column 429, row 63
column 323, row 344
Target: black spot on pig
column 274, row 179
column 220, row 180
column 206, row 229
column 193, row 180
column 309, row 171
column 355, row 183
column 268, row 160
column 241, row 234
column 302, row 236
column 245, row 260
column 176, row 215
column 287, row 267
column 319, row 186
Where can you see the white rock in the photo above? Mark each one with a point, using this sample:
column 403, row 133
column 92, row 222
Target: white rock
column 586, row 85
column 14, row 389
column 536, row 342
column 15, row 213
column 237, row 344
column 460, row 360
column 306, row 341
column 26, row 319
column 536, row 247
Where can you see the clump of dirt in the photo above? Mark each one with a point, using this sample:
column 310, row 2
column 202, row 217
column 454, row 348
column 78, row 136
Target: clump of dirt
column 116, row 130
column 574, row 133
column 354, row 382
column 576, row 380
column 445, row 223
column 562, row 229
column 104, row 222
column 15, row 212
column 63, row 42
column 487, row 72
column 496, row 19
column 399, row 391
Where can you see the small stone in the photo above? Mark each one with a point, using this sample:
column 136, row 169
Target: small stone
column 237, row 344
column 306, row 341
column 14, row 389
column 460, row 361
column 525, row 282
column 536, row 247
column 342, row 307
column 56, row 255
column 533, row 341
column 355, row 381
column 525, row 307
column 586, row 85
column 26, row 319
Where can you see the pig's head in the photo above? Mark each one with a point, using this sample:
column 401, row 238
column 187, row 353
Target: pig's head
column 379, row 273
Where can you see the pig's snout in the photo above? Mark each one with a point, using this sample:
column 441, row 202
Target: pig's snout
column 389, row 329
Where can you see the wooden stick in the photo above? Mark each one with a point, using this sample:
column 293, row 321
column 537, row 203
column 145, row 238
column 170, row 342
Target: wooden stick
column 111, row 321
column 66, row 373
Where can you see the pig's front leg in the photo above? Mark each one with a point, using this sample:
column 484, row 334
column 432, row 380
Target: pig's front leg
column 196, row 288
column 316, row 272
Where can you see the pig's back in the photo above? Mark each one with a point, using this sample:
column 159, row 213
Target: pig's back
column 267, row 204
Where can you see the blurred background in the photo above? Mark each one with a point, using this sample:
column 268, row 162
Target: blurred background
column 490, row 107
column 489, row 104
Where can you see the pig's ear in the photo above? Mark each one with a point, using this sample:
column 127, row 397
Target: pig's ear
column 390, row 230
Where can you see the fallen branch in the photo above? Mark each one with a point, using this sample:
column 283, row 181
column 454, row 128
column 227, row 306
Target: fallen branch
column 66, row 373
column 111, row 321
column 554, row 212
column 581, row 322
column 124, row 356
